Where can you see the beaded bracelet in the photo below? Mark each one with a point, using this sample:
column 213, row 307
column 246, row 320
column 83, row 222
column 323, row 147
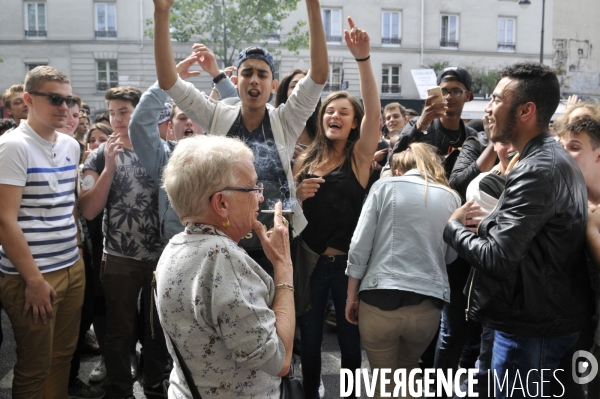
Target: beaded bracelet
column 286, row 286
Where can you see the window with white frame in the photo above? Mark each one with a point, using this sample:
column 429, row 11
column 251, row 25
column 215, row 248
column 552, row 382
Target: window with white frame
column 390, row 27
column 332, row 22
column 390, row 79
column 107, row 74
column 449, row 31
column 277, row 70
column 106, row 19
column 33, row 65
column 334, row 81
column 35, row 19
column 506, row 34
column 272, row 35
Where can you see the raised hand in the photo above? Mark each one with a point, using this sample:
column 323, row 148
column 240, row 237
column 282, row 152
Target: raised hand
column 357, row 40
column 433, row 110
column 572, row 101
column 112, row 149
column 206, row 59
column 183, row 67
column 276, row 244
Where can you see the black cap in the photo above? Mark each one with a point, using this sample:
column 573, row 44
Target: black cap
column 459, row 74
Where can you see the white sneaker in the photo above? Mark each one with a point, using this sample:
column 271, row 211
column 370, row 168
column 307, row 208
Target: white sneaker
column 99, row 371
column 134, row 366
column 321, row 389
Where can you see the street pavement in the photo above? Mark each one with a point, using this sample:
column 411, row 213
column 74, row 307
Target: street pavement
column 330, row 368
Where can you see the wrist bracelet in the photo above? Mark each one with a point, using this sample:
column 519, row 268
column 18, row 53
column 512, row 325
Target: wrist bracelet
column 362, row 59
column 219, row 77
column 347, row 301
column 285, row 286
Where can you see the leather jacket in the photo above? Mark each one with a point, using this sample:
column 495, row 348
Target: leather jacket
column 530, row 274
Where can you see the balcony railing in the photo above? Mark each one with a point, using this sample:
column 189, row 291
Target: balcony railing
column 273, row 36
column 332, row 87
column 391, row 40
column 390, row 88
column 449, row 43
column 103, row 86
column 333, row 39
column 506, row 46
column 106, row 33
column 35, row 33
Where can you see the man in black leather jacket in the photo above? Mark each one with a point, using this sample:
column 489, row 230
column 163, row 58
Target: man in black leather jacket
column 531, row 283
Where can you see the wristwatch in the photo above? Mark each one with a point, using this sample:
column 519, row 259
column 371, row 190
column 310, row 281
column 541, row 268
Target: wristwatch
column 219, row 77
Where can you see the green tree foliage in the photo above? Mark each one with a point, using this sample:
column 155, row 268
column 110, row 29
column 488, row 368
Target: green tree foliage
column 439, row 66
column 227, row 26
column 484, row 80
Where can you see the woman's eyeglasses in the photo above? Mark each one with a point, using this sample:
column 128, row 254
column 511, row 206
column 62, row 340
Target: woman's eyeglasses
column 257, row 190
column 56, row 100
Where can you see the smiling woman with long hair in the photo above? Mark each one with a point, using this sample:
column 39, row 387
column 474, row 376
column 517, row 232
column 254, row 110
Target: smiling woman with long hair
column 333, row 174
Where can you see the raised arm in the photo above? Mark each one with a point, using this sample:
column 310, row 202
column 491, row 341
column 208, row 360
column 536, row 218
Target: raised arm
column 319, row 63
column 144, row 134
column 358, row 43
column 163, row 52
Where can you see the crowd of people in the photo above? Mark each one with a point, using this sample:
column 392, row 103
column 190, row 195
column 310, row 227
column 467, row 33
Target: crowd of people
column 219, row 232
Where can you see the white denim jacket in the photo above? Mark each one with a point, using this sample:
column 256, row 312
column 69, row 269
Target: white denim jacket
column 398, row 241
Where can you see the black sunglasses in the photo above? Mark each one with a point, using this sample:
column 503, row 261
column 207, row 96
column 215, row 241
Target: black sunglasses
column 55, row 99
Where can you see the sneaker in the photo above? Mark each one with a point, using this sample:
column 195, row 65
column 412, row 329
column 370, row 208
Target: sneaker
column 330, row 318
column 134, row 366
column 321, row 390
column 81, row 390
column 157, row 391
column 99, row 371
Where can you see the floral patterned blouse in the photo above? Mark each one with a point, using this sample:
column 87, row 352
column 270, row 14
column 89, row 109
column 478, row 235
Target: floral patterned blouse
column 215, row 302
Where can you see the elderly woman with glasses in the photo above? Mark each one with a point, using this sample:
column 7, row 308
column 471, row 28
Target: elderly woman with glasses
column 230, row 321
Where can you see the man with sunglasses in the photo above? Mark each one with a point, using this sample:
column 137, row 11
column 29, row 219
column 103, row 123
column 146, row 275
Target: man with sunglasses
column 41, row 264
column 270, row 132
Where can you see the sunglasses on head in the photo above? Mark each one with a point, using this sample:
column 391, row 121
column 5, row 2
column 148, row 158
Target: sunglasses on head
column 55, row 99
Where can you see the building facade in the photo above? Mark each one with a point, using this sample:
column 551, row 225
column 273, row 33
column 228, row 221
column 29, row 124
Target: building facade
column 101, row 43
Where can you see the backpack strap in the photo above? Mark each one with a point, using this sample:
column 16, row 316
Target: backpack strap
column 186, row 371
column 100, row 159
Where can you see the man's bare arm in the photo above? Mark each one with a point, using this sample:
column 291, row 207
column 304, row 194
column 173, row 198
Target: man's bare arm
column 38, row 293
column 319, row 63
column 163, row 51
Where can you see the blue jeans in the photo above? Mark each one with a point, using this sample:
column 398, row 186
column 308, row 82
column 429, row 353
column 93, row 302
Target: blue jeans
column 484, row 364
column 326, row 276
column 513, row 353
column 455, row 330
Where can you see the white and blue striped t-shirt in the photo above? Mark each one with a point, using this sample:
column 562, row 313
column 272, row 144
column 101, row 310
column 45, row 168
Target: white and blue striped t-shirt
column 48, row 174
